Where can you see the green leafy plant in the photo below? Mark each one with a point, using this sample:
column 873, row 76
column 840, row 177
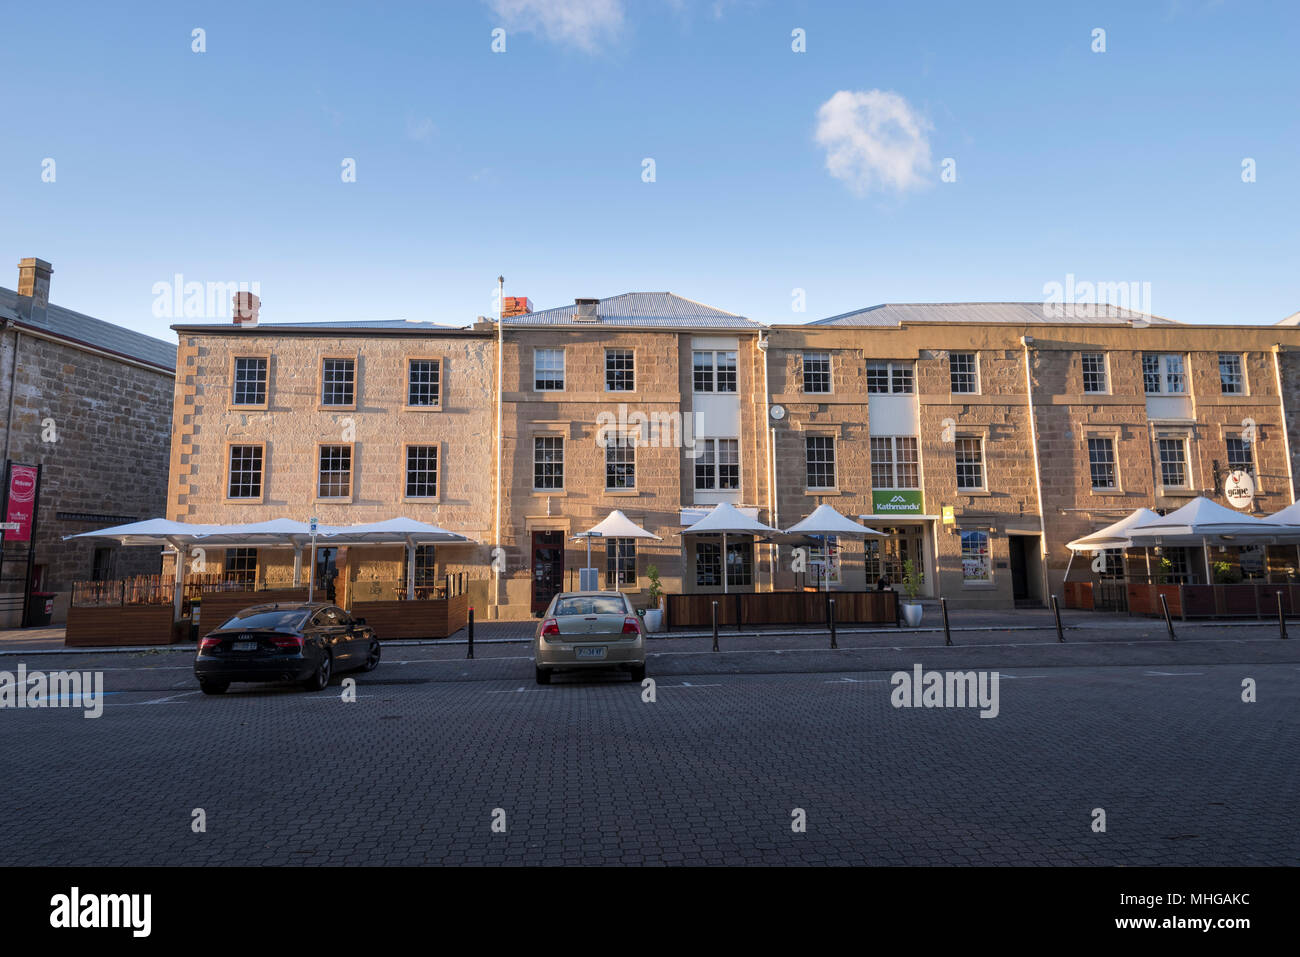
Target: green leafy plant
column 656, row 590
column 912, row 579
column 1226, row 574
column 1164, row 571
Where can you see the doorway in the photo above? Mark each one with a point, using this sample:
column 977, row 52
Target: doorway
column 1025, row 570
column 548, row 568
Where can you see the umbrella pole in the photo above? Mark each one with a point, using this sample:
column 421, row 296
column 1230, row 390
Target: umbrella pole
column 1205, row 547
column 1146, row 550
column 1067, row 566
column 724, row 563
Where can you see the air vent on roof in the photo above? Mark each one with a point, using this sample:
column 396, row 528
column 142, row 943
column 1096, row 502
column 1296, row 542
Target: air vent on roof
column 585, row 310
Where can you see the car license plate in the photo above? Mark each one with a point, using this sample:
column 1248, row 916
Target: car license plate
column 244, row 646
column 592, row 652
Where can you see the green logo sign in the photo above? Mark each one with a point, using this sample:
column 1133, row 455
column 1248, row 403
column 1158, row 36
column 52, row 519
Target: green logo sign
column 896, row 502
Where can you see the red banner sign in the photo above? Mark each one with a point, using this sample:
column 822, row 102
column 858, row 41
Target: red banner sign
column 22, row 502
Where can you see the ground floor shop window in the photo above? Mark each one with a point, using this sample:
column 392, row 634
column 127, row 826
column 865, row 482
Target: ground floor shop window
column 620, row 561
column 708, row 564
column 826, row 557
column 976, row 560
column 1111, row 566
column 241, row 565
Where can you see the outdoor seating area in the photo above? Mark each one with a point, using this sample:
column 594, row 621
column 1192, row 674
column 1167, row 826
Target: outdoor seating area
column 1204, row 560
column 153, row 610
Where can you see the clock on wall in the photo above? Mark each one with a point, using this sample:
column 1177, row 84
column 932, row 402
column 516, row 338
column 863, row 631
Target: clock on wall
column 777, row 412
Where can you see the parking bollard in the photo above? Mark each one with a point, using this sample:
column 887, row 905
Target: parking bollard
column 947, row 631
column 469, row 626
column 1281, row 617
column 830, row 614
column 1169, row 622
column 1056, row 610
column 715, row 626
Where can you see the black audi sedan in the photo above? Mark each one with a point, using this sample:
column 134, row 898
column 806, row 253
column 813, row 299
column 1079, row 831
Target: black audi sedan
column 307, row 643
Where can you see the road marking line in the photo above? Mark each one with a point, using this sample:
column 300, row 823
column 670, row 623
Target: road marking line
column 168, row 700
column 1175, row 674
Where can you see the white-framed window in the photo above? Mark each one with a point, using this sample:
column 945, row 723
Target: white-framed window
column 548, row 370
column 338, row 381
column 548, row 462
column 245, row 472
column 620, row 462
column 423, row 383
column 976, row 559
column 895, row 462
column 620, row 561
column 422, row 471
column 817, row 372
column 620, row 370
column 969, row 453
column 889, row 378
column 334, row 476
column 1096, row 378
column 717, row 467
column 714, row 371
column 1232, row 374
column 1101, row 462
column 1173, row 460
column 250, row 381
column 1164, row 373
column 1112, row 564
column 709, row 564
column 1240, row 456
column 964, row 372
column 819, row 460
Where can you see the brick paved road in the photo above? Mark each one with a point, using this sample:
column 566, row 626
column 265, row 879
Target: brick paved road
column 587, row 772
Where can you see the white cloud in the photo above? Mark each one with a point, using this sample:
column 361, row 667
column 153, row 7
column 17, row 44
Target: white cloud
column 587, row 24
column 874, row 140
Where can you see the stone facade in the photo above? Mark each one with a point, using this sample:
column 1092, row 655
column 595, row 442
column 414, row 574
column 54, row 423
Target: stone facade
column 1021, row 430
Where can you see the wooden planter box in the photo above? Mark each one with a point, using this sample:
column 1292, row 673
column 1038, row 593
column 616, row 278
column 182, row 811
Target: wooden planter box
column 215, row 607
column 435, row 618
column 782, row 608
column 1079, row 595
column 103, row 626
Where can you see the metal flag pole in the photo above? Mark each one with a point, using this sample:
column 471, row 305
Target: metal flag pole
column 311, row 572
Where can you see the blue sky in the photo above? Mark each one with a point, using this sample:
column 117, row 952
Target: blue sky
column 1122, row 166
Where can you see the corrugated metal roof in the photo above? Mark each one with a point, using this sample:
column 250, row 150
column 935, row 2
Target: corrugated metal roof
column 96, row 333
column 647, row 309
column 1014, row 313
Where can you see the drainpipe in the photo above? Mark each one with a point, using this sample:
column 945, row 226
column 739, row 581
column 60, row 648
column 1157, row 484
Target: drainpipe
column 501, row 307
column 1028, row 341
column 1281, row 405
column 773, row 551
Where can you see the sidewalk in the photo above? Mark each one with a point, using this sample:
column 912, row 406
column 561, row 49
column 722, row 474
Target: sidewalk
column 1078, row 626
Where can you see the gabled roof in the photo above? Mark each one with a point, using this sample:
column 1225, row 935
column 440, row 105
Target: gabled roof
column 1010, row 313
column 86, row 330
column 644, row 309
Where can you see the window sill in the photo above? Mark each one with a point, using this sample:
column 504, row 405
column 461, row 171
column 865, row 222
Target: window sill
column 332, row 501
column 244, row 501
column 975, row 492
column 421, row 408
column 549, row 491
column 422, row 500
column 822, row 491
column 231, row 407
column 622, row 492
column 336, row 408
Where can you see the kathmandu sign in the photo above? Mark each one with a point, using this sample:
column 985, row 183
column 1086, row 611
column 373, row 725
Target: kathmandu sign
column 895, row 502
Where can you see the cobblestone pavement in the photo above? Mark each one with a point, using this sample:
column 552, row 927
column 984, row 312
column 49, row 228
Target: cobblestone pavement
column 1153, row 732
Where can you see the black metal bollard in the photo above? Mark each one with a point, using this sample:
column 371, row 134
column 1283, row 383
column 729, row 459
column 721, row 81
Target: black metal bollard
column 715, row 626
column 947, row 631
column 1169, row 622
column 1281, row 617
column 469, row 627
column 830, row 614
column 1056, row 610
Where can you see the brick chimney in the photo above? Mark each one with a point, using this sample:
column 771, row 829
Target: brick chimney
column 584, row 310
column 516, row 306
column 244, row 308
column 34, row 288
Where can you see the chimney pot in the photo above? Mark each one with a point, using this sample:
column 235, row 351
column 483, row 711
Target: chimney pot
column 34, row 283
column 244, row 308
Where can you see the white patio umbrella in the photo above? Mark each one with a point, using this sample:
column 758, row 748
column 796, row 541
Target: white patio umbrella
column 725, row 519
column 1202, row 521
column 614, row 525
column 1115, row 535
column 825, row 521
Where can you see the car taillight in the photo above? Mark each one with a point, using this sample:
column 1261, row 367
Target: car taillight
column 550, row 627
column 207, row 644
column 288, row 642
column 629, row 626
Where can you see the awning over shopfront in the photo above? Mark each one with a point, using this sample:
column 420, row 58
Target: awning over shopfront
column 725, row 519
column 1202, row 521
column 616, row 525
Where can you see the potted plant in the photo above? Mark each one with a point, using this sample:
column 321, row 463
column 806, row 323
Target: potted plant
column 912, row 580
column 1226, row 574
column 654, row 615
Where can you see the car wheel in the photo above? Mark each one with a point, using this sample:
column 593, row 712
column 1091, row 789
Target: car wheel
column 320, row 678
column 637, row 672
column 372, row 659
column 213, row 687
column 543, row 676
